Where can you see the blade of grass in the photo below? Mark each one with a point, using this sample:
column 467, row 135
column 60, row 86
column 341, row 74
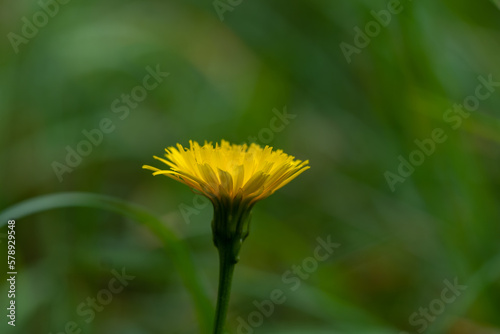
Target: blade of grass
column 180, row 254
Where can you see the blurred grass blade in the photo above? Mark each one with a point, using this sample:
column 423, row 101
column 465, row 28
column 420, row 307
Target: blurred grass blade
column 180, row 254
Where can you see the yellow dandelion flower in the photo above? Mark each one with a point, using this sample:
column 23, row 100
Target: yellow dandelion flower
column 249, row 173
column 234, row 178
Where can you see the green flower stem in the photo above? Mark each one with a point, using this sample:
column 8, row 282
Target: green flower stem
column 227, row 264
column 230, row 229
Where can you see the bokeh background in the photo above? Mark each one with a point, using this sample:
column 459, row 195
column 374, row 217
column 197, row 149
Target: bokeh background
column 233, row 67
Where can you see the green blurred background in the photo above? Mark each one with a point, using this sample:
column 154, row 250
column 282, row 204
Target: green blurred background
column 233, row 67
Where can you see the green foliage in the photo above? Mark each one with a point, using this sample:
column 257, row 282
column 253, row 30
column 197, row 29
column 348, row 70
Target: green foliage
column 360, row 120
